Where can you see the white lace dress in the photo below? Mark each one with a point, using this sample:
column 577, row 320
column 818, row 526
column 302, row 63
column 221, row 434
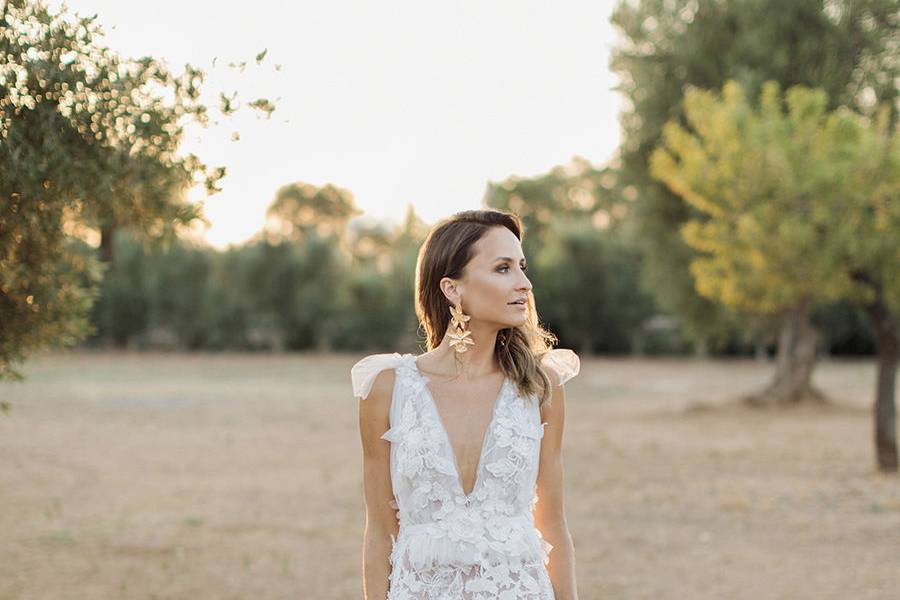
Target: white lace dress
column 453, row 546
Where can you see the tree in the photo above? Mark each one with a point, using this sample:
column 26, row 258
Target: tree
column 88, row 140
column 579, row 260
column 578, row 189
column 849, row 48
column 575, row 220
column 799, row 207
column 302, row 239
column 300, row 209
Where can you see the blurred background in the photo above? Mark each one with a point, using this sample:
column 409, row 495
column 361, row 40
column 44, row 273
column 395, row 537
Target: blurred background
column 210, row 211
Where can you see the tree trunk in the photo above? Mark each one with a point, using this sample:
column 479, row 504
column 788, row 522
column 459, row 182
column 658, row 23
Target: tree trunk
column 106, row 243
column 887, row 336
column 701, row 348
column 759, row 350
column 585, row 345
column 107, row 233
column 795, row 360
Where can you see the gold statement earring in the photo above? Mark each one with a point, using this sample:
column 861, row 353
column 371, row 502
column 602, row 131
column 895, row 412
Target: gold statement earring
column 460, row 335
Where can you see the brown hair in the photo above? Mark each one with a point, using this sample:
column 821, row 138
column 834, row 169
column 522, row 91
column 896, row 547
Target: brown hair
column 446, row 251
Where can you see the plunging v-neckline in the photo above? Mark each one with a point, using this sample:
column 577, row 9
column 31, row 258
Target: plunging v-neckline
column 443, row 428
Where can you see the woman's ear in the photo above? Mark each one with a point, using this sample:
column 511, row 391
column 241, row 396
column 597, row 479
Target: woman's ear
column 451, row 291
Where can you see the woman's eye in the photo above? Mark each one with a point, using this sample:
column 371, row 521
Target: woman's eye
column 507, row 268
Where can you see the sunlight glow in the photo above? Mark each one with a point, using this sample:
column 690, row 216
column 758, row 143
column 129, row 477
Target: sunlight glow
column 420, row 103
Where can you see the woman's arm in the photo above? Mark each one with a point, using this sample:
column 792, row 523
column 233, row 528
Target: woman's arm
column 381, row 518
column 549, row 512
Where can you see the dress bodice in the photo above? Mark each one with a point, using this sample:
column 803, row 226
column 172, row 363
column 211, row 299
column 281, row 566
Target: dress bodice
column 440, row 525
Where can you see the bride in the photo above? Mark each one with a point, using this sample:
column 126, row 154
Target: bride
column 462, row 465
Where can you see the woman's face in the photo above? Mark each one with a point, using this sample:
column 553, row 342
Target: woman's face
column 493, row 279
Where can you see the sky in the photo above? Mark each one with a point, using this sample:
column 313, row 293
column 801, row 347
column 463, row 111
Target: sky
column 399, row 102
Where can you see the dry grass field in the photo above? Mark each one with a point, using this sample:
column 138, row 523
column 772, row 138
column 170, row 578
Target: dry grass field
column 235, row 476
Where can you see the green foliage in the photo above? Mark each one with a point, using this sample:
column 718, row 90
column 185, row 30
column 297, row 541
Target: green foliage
column 178, row 292
column 355, row 291
column 88, row 141
column 794, row 199
column 575, row 219
column 52, row 310
column 586, row 287
column 301, row 209
column 578, row 190
column 122, row 309
column 261, row 296
column 848, row 48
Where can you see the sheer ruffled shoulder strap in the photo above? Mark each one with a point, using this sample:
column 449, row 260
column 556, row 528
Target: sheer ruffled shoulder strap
column 564, row 362
column 364, row 372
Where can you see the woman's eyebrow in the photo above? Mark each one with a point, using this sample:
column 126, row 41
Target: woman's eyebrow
column 508, row 259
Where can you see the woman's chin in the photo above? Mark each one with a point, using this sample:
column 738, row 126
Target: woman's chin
column 523, row 318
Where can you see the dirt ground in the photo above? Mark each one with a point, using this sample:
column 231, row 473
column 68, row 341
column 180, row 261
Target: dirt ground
column 236, row 476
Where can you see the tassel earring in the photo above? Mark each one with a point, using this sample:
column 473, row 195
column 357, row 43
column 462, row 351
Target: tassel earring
column 460, row 335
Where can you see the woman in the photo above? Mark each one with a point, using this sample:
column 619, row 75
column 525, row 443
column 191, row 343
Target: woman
column 463, row 439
